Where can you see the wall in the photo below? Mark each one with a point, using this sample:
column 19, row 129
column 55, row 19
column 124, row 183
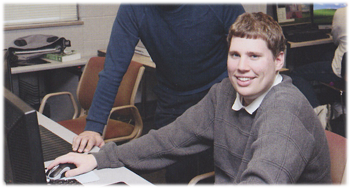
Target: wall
column 87, row 38
column 255, row 7
column 94, row 34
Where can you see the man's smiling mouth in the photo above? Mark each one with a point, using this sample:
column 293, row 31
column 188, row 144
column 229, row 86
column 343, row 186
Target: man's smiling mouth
column 243, row 79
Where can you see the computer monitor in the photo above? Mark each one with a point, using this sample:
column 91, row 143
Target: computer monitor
column 323, row 14
column 5, row 70
column 24, row 161
column 292, row 14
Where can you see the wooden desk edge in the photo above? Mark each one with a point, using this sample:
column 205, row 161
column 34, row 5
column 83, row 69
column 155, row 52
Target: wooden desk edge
column 311, row 42
column 145, row 60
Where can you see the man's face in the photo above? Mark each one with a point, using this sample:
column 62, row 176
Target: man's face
column 252, row 67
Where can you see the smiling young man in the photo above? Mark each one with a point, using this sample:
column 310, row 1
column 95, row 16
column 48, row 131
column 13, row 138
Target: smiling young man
column 261, row 127
column 252, row 68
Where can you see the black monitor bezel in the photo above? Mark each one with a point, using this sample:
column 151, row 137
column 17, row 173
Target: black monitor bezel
column 274, row 13
column 30, row 142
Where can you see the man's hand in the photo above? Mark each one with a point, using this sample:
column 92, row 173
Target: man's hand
column 86, row 140
column 84, row 163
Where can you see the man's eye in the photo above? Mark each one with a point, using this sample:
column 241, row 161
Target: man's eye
column 254, row 56
column 234, row 55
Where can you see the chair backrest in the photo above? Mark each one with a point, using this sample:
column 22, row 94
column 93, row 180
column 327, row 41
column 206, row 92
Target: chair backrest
column 337, row 149
column 89, row 79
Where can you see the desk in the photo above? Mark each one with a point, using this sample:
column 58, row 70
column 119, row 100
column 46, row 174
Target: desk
column 107, row 176
column 310, row 43
column 30, row 82
column 49, row 66
column 312, row 48
column 145, row 60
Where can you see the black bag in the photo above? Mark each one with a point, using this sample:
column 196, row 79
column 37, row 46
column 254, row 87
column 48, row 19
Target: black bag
column 34, row 46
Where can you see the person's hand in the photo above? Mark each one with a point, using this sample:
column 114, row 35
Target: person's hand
column 83, row 162
column 86, row 140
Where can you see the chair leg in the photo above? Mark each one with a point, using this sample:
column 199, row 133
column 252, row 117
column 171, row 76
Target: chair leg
column 337, row 123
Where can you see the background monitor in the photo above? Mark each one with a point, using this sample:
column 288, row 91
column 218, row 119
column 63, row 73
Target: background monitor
column 24, row 161
column 293, row 14
column 323, row 13
column 5, row 70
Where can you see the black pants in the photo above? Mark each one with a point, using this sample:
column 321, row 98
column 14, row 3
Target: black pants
column 169, row 107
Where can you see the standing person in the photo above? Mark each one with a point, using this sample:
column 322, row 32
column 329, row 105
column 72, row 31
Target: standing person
column 187, row 44
column 261, row 127
column 326, row 71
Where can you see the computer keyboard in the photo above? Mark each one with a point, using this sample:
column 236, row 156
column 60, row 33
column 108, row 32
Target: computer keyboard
column 53, row 146
column 307, row 35
column 64, row 182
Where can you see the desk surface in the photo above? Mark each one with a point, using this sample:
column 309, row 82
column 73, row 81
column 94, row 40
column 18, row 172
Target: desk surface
column 145, row 60
column 107, row 176
column 49, row 66
column 311, row 42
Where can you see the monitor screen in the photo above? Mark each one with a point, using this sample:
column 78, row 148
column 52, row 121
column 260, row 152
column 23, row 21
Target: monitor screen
column 293, row 14
column 323, row 12
column 5, row 70
column 24, row 161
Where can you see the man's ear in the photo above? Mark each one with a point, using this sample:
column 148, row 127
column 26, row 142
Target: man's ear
column 279, row 61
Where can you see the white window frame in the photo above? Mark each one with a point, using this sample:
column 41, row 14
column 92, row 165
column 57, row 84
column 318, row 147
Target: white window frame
column 25, row 16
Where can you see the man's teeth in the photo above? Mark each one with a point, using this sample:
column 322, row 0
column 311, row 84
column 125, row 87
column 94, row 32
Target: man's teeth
column 244, row 79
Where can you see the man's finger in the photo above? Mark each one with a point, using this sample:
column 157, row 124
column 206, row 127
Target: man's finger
column 73, row 172
column 76, row 143
column 89, row 145
column 82, row 145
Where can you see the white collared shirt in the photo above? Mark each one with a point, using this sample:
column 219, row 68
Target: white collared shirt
column 251, row 108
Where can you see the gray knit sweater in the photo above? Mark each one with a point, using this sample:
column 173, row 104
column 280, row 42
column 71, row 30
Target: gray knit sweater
column 282, row 142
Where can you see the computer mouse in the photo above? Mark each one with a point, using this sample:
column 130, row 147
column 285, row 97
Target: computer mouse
column 59, row 171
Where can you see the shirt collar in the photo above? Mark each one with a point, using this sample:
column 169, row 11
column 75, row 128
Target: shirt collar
column 237, row 105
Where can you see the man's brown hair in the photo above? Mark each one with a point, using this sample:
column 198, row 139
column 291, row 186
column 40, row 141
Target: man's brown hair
column 259, row 25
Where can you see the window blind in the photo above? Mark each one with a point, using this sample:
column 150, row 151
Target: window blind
column 27, row 14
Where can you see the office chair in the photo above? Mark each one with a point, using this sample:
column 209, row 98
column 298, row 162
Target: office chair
column 201, row 177
column 331, row 89
column 124, row 122
column 337, row 150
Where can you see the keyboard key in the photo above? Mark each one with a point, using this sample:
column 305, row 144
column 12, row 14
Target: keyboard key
column 62, row 183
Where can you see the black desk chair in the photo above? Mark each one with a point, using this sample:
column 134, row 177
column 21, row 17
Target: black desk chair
column 339, row 87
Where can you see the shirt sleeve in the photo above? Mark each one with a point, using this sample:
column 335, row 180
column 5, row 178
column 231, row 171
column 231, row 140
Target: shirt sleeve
column 339, row 39
column 191, row 133
column 123, row 39
column 338, row 26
